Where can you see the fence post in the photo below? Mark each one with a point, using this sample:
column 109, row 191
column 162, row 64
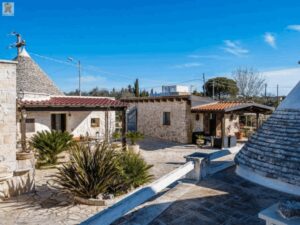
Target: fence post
column 201, row 167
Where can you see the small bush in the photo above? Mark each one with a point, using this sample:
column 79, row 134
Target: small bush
column 134, row 136
column 133, row 172
column 89, row 172
column 49, row 144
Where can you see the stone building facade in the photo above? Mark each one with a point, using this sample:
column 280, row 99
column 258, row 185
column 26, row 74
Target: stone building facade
column 150, row 114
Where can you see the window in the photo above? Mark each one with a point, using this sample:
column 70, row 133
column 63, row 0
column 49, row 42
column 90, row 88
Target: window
column 95, row 122
column 166, row 118
column 197, row 117
column 30, row 125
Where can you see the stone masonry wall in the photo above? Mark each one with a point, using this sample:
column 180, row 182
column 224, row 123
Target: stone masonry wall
column 150, row 120
column 8, row 114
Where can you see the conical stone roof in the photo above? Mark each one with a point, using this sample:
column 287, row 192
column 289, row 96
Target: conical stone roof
column 31, row 78
column 271, row 157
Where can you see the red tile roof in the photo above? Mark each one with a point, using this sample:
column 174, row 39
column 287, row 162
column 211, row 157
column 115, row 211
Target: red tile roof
column 74, row 101
column 228, row 106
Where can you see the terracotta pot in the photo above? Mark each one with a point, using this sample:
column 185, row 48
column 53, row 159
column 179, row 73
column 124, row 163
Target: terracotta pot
column 134, row 148
column 90, row 201
column 24, row 155
column 239, row 135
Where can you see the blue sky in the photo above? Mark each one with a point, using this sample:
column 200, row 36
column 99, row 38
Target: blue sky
column 159, row 42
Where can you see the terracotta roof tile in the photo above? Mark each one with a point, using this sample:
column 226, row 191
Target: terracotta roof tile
column 74, row 101
column 218, row 106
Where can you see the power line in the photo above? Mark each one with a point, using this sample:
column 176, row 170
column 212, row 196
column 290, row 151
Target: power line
column 88, row 67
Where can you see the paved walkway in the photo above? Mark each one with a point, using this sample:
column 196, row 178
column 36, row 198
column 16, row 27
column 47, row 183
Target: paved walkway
column 223, row 199
column 164, row 156
column 48, row 206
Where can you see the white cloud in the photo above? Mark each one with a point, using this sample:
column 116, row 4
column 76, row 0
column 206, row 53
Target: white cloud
column 188, row 65
column 270, row 39
column 286, row 79
column 235, row 48
column 206, row 56
column 295, row 27
column 91, row 79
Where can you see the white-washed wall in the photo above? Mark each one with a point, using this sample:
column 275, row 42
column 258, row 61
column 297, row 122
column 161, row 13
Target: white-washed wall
column 8, row 114
column 231, row 124
column 78, row 123
column 197, row 125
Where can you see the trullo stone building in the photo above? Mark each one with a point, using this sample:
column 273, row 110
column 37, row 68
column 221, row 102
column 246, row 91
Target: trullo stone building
column 272, row 155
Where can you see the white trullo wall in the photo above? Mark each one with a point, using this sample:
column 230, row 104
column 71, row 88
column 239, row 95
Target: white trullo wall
column 78, row 123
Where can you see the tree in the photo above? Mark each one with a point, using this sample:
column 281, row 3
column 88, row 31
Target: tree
column 136, row 88
column 249, row 81
column 223, row 87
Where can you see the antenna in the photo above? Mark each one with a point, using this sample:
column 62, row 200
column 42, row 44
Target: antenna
column 20, row 43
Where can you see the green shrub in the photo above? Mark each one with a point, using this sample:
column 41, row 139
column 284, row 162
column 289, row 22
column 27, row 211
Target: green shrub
column 133, row 172
column 116, row 135
column 134, row 136
column 49, row 144
column 89, row 172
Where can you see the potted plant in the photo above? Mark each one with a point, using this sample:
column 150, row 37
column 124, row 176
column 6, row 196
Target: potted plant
column 200, row 140
column 116, row 144
column 134, row 136
column 116, row 136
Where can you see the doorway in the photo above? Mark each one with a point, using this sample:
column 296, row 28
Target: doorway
column 212, row 124
column 58, row 122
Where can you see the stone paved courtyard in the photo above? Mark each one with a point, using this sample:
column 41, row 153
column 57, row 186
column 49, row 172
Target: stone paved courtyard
column 48, row 206
column 223, row 199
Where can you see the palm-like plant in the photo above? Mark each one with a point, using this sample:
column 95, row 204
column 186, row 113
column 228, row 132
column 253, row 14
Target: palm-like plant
column 49, row 144
column 134, row 172
column 90, row 171
column 134, row 136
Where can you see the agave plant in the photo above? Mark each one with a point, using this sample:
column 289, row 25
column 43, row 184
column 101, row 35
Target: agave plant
column 134, row 136
column 49, row 144
column 90, row 172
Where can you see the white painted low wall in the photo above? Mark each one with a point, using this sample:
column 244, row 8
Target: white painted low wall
column 138, row 197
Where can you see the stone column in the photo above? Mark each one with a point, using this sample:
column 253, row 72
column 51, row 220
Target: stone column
column 8, row 114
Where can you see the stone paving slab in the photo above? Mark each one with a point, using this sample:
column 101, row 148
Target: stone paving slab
column 49, row 206
column 223, row 198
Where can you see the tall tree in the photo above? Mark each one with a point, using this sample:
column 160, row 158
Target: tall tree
column 249, row 81
column 222, row 87
column 136, row 88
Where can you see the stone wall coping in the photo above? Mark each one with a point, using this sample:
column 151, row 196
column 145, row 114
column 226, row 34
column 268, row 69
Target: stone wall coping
column 8, row 61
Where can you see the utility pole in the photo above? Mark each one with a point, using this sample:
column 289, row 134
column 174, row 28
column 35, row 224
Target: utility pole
column 277, row 95
column 213, row 90
column 204, row 89
column 79, row 72
column 265, row 92
column 79, row 77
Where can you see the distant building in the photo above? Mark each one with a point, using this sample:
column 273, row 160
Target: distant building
column 174, row 90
